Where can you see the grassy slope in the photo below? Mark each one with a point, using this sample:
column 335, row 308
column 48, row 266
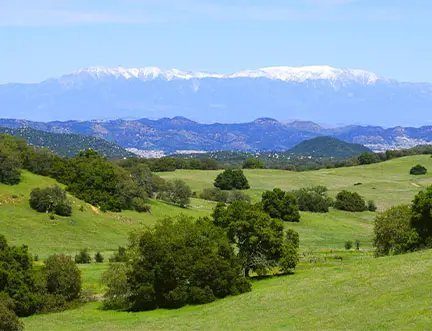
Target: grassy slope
column 388, row 293
column 104, row 231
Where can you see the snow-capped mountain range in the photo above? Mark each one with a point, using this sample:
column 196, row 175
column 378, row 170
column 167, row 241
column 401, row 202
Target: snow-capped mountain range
column 316, row 93
column 287, row 74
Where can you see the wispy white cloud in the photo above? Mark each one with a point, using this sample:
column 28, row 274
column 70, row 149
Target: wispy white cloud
column 68, row 12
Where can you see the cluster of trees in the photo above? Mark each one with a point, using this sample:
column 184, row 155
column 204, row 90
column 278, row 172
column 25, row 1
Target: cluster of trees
column 171, row 163
column 176, row 192
column 313, row 199
column 218, row 195
column 405, row 228
column 253, row 163
column 185, row 261
column 231, row 179
column 25, row 290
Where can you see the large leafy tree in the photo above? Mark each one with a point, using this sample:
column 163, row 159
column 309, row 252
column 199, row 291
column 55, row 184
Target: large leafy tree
column 313, row 199
column 177, row 262
column 350, row 201
column 259, row 239
column 280, row 204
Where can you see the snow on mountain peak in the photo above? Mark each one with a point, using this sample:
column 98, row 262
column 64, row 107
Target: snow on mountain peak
column 289, row 74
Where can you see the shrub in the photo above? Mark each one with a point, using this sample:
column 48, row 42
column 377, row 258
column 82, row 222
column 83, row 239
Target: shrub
column 8, row 319
column 313, row 199
column 9, row 172
column 62, row 277
column 371, row 206
column 237, row 195
column 280, row 204
column 98, row 257
column 348, row 245
column 357, row 244
column 140, row 205
column 418, row 170
column 120, row 255
column 118, row 293
column 214, row 194
column 292, row 236
column 350, row 201
column 252, row 163
column 51, row 200
column 392, row 232
column 231, row 179
column 83, row 257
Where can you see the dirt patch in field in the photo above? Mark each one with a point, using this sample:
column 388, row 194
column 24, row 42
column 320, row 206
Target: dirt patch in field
column 416, row 185
column 94, row 209
column 9, row 199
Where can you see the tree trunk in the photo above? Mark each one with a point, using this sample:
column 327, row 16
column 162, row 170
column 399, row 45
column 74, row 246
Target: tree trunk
column 247, row 272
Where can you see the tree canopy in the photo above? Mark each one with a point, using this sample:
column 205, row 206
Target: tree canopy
column 231, row 179
column 280, row 204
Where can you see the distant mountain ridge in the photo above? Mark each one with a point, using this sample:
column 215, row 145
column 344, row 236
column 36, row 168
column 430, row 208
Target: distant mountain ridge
column 67, row 145
column 315, row 93
column 263, row 134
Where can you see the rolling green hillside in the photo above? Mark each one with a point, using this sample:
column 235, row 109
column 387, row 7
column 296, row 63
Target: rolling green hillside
column 356, row 292
column 68, row 145
column 388, row 183
column 390, row 293
column 328, row 147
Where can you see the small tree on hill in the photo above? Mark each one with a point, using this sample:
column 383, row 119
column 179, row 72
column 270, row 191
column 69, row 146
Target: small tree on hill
column 350, row 201
column 231, row 179
column 418, row 170
column 8, row 319
column 280, row 204
column 51, row 200
column 98, row 257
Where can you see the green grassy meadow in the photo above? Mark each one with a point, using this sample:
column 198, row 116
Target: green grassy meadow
column 391, row 293
column 325, row 293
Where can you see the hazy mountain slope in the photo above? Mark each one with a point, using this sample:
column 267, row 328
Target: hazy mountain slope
column 320, row 94
column 67, row 145
column 264, row 134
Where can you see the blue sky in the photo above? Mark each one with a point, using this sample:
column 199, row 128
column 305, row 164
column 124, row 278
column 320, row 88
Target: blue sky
column 45, row 38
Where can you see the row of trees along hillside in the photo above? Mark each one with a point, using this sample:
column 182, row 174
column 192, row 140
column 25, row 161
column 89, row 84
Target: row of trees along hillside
column 287, row 161
column 89, row 176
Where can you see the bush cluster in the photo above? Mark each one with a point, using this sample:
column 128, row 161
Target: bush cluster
column 51, row 200
column 350, row 201
column 313, row 199
column 418, row 170
column 253, row 163
column 28, row 290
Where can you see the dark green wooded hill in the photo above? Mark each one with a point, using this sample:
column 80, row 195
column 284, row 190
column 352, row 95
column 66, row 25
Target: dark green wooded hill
column 67, row 145
column 328, row 147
